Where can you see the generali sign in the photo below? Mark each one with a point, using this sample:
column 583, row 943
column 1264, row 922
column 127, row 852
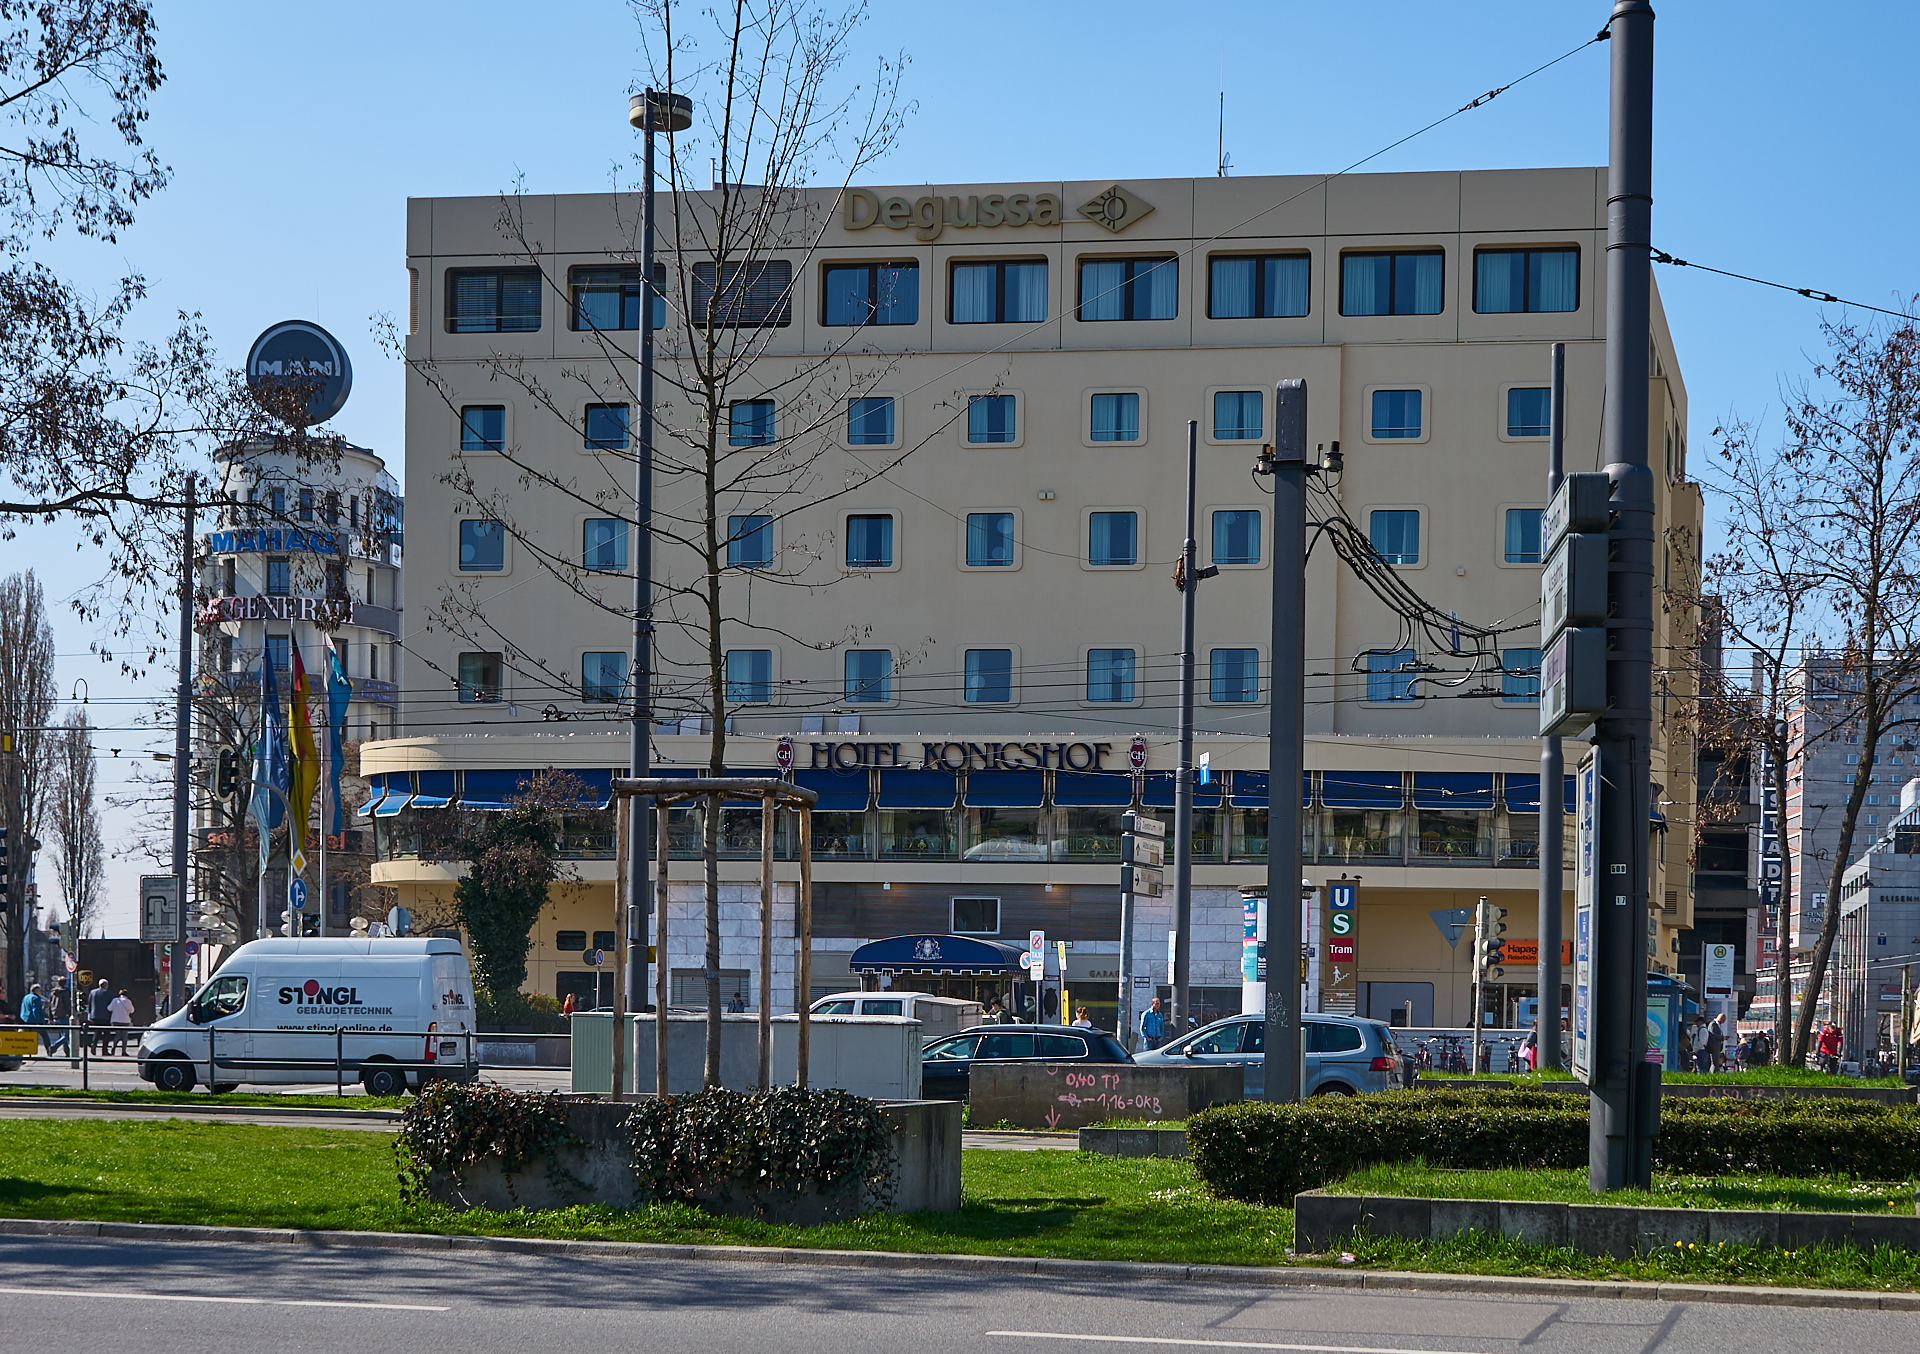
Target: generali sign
column 318, row 610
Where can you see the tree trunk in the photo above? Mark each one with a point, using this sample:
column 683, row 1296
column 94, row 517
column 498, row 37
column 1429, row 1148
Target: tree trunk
column 1782, row 948
column 710, row 850
column 1842, row 857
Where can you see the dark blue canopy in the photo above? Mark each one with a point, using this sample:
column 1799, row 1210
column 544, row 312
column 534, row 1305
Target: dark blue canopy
column 1004, row 789
column 1361, row 789
column 435, row 789
column 1159, row 789
column 936, row 954
column 1453, row 789
column 917, row 789
column 491, row 789
column 1092, row 789
column 1523, row 792
column 839, row 792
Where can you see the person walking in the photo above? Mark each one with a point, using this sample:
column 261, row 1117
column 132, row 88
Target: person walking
column 33, row 1010
column 120, row 1018
column 1153, row 1025
column 1081, row 1020
column 570, row 1005
column 100, row 1014
column 59, row 1017
column 1697, row 1045
column 737, row 1006
column 1716, row 1043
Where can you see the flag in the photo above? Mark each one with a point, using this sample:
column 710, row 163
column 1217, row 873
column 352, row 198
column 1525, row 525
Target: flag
column 269, row 761
column 306, row 761
column 339, row 692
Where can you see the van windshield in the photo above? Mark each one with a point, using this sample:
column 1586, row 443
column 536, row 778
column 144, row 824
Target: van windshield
column 219, row 998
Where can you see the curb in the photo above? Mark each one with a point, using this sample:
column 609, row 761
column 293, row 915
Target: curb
column 148, row 1107
column 1382, row 1281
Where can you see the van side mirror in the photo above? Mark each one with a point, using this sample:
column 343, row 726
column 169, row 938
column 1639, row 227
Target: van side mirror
column 195, row 1014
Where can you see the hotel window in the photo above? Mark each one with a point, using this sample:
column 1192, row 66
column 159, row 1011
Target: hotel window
column 870, row 421
column 1395, row 534
column 989, row 540
column 493, row 300
column 1236, row 536
column 603, row 675
column 1390, row 676
column 976, row 916
column 750, row 676
column 227, row 579
column 330, row 508
column 989, row 676
column 1523, row 536
column 277, row 502
column 483, row 547
column 750, row 423
column 749, row 542
column 749, row 295
column 306, row 505
column 1116, row 417
column 1113, row 539
column 609, row 298
column 870, row 541
column 995, row 293
column 1267, row 286
column 279, row 576
column 1529, row 411
column 479, row 678
column 1520, row 676
column 871, row 293
column 1238, row 415
column 1391, row 284
column 1110, row 675
column 603, row 544
column 1129, row 289
column 1234, row 676
column 483, row 427
column 606, row 427
column 1511, row 281
column 226, row 653
column 1396, row 414
column 869, row 676
column 990, row 418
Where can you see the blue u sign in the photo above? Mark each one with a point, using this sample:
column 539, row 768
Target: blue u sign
column 1341, row 896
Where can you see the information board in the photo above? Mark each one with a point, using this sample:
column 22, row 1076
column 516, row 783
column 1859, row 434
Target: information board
column 1586, row 888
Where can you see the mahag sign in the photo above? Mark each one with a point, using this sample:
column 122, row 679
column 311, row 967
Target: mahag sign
column 298, row 372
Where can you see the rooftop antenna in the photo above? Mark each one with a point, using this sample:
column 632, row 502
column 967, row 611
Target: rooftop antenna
column 1224, row 163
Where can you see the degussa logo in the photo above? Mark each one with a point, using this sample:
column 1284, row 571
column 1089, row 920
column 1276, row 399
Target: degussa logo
column 311, row 993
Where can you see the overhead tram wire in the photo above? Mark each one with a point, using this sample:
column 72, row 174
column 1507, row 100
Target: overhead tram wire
column 1811, row 293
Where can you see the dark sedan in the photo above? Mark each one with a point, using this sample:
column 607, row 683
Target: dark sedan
column 946, row 1065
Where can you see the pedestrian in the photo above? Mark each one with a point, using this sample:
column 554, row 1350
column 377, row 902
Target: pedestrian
column 98, row 1014
column 120, row 1017
column 1530, row 1050
column 33, row 1010
column 570, row 1005
column 59, row 1019
column 1697, row 1045
column 737, row 1006
column 1829, row 1047
column 1716, row 1043
column 1081, row 1020
column 994, row 1015
column 1153, row 1025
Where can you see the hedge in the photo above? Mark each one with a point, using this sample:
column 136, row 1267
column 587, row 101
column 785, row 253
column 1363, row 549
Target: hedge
column 452, row 1125
column 1261, row 1153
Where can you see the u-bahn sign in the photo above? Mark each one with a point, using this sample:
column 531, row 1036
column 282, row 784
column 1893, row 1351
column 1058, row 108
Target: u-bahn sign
column 298, row 372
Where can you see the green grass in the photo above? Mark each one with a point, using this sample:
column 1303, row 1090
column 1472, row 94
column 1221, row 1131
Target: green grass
column 1823, row 1194
column 1015, row 1203
column 201, row 1100
column 1762, row 1076
column 1142, row 1123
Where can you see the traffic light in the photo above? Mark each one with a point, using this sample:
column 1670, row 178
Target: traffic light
column 3, row 850
column 229, row 774
column 1496, row 944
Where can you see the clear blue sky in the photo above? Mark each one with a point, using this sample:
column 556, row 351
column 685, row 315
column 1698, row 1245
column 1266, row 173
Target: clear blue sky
column 1783, row 149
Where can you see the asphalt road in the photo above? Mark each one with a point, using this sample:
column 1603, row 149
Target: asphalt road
column 104, row 1297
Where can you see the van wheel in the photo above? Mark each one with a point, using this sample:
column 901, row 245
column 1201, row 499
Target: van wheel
column 382, row 1080
column 173, row 1074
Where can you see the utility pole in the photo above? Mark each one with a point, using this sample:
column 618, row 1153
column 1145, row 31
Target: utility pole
column 182, row 763
column 1286, row 735
column 1625, row 1088
column 1187, row 580
column 1546, row 1051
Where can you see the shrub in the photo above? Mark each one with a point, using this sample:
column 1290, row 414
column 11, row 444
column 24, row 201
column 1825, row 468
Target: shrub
column 733, row 1146
column 452, row 1125
column 516, row 1010
column 1263, row 1153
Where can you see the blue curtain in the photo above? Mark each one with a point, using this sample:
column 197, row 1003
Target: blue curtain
column 847, row 300
column 869, row 676
column 1026, row 292
column 1238, row 415
column 1156, row 289
column 974, row 285
column 1110, row 675
column 989, row 677
column 1236, row 536
column 1416, row 284
column 989, row 539
column 1523, row 535
column 1385, row 679
column 1555, row 283
column 1111, row 538
column 1366, row 284
column 1116, row 417
column 1287, row 283
column 1499, row 281
column 1233, row 288
column 1103, row 291
column 1234, row 675
column 1395, row 535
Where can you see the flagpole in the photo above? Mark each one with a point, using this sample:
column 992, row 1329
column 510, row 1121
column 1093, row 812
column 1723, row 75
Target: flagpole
column 262, row 822
column 326, row 775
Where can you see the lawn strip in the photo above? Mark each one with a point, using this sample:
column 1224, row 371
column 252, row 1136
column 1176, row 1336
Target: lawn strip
column 1818, row 1194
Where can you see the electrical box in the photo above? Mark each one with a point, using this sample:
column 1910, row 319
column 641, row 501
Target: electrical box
column 1573, row 681
column 1573, row 584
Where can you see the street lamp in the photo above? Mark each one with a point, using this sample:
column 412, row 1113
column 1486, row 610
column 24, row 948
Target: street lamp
column 648, row 112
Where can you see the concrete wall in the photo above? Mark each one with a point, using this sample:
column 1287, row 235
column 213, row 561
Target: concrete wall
column 874, row 1056
column 1072, row 1095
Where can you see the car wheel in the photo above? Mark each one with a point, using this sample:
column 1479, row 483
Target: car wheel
column 172, row 1074
column 1334, row 1090
column 381, row 1079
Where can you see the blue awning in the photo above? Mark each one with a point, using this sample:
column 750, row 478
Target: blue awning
column 1362, row 789
column 839, row 793
column 1158, row 792
column 1006, row 789
column 599, row 783
column 378, row 780
column 492, row 789
column 1523, row 792
column 1453, row 789
column 917, row 789
column 399, row 795
column 936, row 954
column 432, row 789
column 1092, row 789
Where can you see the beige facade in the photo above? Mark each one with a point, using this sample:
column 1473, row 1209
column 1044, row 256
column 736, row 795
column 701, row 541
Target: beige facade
column 1452, row 462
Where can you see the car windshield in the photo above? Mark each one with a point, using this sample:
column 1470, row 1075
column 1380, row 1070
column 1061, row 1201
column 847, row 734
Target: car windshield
column 219, row 998
column 834, row 1008
column 1220, row 1039
column 960, row 1046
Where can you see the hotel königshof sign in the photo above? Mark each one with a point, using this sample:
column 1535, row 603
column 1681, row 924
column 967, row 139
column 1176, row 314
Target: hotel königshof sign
column 961, row 756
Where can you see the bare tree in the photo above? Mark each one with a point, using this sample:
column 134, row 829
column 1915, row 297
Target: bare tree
column 772, row 117
column 79, row 854
column 27, row 698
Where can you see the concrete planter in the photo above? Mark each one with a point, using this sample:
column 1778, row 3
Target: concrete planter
column 926, row 1176
column 1321, row 1219
column 1076, row 1095
column 1135, row 1142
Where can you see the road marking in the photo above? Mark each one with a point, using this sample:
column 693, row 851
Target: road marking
column 238, row 1302
column 1216, row 1344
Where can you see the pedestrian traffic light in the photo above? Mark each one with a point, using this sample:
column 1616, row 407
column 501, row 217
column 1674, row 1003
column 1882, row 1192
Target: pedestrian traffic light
column 225, row 783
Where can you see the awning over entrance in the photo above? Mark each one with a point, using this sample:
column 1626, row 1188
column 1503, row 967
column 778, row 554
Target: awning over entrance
column 936, row 954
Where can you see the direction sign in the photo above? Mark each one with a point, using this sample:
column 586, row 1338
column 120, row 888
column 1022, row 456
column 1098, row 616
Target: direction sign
column 1143, row 825
column 1143, row 881
column 297, row 895
column 1340, row 923
column 1149, row 851
column 159, row 907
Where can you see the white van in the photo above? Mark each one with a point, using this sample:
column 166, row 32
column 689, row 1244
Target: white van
column 938, row 1016
column 386, row 1013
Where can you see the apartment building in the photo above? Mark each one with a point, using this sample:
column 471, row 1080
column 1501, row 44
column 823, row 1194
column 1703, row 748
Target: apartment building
column 1879, row 938
column 973, row 654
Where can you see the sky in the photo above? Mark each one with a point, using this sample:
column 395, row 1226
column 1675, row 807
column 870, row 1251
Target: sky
column 297, row 133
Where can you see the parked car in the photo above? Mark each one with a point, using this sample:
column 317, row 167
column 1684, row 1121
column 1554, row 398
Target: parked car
column 946, row 1065
column 938, row 1016
column 1345, row 1055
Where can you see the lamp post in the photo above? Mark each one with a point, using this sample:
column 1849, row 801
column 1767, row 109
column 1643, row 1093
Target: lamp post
column 648, row 112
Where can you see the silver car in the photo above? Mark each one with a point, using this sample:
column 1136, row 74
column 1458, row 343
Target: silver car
column 1344, row 1055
